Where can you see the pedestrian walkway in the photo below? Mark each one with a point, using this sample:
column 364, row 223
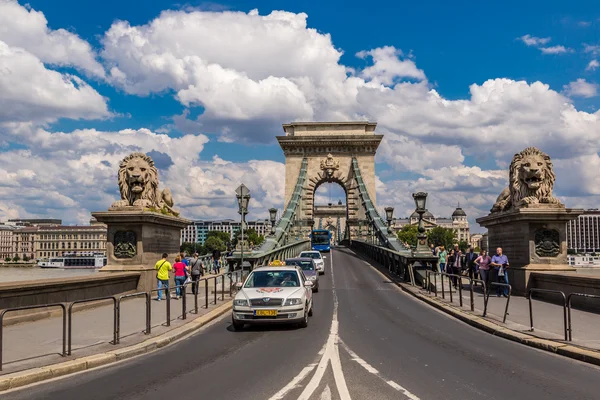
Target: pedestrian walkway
column 548, row 318
column 39, row 343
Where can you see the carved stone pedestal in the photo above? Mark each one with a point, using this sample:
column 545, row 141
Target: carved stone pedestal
column 136, row 240
column 534, row 240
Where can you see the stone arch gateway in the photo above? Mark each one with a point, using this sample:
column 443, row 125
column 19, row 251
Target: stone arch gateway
column 329, row 149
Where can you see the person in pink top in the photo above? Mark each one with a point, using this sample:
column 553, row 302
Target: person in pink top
column 483, row 264
column 180, row 275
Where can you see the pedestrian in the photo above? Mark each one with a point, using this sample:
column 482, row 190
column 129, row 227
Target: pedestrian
column 483, row 263
column 456, row 265
column 184, row 259
column 180, row 276
column 470, row 258
column 196, row 270
column 433, row 249
column 162, row 268
column 442, row 255
column 450, row 262
column 216, row 256
column 500, row 264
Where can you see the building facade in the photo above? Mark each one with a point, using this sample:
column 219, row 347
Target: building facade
column 21, row 222
column 458, row 222
column 24, row 243
column 53, row 241
column 6, row 242
column 583, row 233
column 197, row 231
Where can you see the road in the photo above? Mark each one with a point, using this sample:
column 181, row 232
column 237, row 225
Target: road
column 366, row 340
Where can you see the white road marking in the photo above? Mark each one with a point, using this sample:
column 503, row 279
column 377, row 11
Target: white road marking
column 326, row 395
column 294, row 383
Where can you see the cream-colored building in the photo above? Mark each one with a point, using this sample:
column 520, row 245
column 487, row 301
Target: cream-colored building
column 6, row 242
column 458, row 222
column 53, row 241
column 475, row 240
column 24, row 242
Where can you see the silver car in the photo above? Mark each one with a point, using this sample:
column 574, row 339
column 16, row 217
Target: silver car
column 309, row 268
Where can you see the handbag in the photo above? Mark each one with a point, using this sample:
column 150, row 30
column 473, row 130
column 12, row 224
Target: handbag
column 501, row 271
column 187, row 280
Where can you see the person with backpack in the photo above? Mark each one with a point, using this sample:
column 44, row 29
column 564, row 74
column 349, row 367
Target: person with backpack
column 197, row 270
column 216, row 255
column 162, row 268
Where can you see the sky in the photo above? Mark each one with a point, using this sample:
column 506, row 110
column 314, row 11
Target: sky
column 456, row 88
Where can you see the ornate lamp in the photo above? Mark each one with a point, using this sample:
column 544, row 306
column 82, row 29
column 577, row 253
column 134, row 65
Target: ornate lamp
column 420, row 201
column 273, row 217
column 389, row 215
column 242, row 194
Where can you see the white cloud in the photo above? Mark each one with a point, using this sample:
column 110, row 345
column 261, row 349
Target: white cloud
column 592, row 65
column 555, row 50
column 534, row 41
column 581, row 88
column 30, row 92
column 388, row 66
column 28, row 29
column 592, row 49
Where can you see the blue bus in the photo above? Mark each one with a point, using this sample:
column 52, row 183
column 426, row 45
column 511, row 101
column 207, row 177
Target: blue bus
column 320, row 240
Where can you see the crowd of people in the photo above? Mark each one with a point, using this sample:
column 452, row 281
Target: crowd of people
column 476, row 266
column 185, row 270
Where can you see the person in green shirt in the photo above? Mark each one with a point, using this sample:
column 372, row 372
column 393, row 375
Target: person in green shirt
column 162, row 268
column 442, row 258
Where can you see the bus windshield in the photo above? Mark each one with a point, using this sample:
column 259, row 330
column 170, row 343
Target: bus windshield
column 320, row 237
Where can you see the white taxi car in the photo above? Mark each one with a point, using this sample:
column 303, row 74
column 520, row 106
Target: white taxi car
column 317, row 257
column 273, row 294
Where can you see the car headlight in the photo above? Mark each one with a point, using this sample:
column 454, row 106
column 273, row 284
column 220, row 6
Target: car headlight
column 241, row 303
column 312, row 278
column 293, row 302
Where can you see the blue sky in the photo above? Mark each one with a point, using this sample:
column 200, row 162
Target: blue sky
column 438, row 51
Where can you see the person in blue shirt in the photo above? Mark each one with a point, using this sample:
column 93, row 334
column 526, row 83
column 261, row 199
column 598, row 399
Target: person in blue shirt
column 500, row 264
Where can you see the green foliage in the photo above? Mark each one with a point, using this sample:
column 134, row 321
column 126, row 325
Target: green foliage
column 408, row 234
column 250, row 236
column 477, row 250
column 441, row 237
column 16, row 258
column 463, row 245
column 25, row 258
column 214, row 243
column 189, row 248
column 8, row 259
column 225, row 238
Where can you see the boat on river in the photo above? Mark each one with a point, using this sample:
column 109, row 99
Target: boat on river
column 74, row 260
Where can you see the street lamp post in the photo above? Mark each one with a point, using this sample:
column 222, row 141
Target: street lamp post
column 389, row 215
column 242, row 193
column 420, row 201
column 273, row 217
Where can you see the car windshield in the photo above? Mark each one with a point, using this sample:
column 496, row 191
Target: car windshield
column 272, row 278
column 304, row 264
column 313, row 255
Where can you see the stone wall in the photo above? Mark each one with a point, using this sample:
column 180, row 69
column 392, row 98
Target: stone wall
column 63, row 290
column 568, row 283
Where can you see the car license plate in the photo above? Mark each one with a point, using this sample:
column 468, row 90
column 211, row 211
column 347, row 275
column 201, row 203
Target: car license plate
column 265, row 313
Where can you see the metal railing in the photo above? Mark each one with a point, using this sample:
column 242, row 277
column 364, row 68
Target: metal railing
column 589, row 296
column 435, row 274
column 70, row 312
column 535, row 290
column 64, row 324
column 487, row 298
column 148, row 313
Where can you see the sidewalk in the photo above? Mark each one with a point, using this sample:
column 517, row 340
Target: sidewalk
column 548, row 318
column 39, row 343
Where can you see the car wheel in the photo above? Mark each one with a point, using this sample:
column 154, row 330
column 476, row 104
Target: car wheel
column 304, row 322
column 310, row 312
column 316, row 289
column 237, row 325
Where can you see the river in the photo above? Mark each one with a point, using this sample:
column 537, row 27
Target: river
column 14, row 274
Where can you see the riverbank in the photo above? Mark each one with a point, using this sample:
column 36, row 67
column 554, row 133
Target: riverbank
column 18, row 264
column 12, row 273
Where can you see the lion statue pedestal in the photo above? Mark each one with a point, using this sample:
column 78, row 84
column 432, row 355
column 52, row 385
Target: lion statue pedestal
column 528, row 222
column 143, row 224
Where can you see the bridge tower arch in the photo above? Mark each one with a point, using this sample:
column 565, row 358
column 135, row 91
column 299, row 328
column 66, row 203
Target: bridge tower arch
column 328, row 150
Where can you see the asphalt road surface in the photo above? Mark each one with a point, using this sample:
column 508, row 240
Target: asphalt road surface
column 366, row 340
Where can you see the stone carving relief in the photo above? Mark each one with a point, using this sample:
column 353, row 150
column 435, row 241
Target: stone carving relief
column 531, row 180
column 547, row 243
column 138, row 184
column 125, row 244
column 330, row 165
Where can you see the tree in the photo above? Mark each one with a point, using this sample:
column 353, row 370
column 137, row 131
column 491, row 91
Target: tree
column 189, row 248
column 8, row 259
column 16, row 258
column 441, row 237
column 408, row 234
column 214, row 243
column 463, row 245
column 25, row 258
column 225, row 238
column 250, row 236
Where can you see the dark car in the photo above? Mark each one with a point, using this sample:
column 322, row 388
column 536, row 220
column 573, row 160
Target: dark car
column 308, row 267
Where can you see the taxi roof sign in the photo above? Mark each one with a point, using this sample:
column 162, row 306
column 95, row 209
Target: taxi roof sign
column 277, row 263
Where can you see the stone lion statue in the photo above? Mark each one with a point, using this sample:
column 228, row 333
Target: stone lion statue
column 531, row 180
column 138, row 184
